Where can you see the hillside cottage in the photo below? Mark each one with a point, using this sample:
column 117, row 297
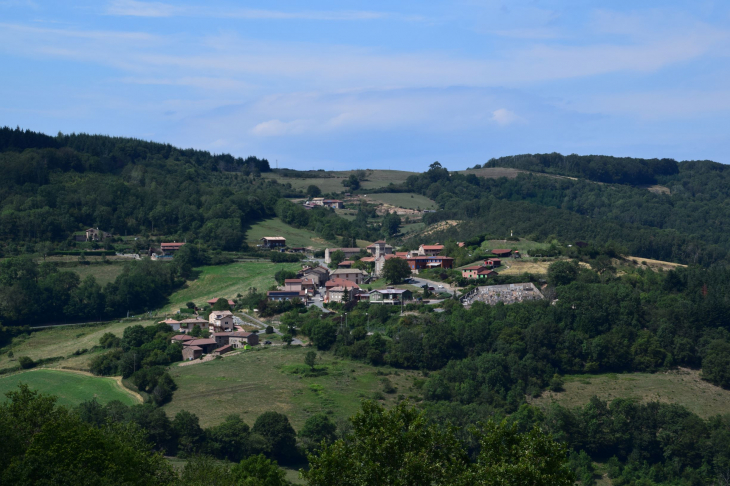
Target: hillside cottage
column 477, row 272
column 273, row 241
column 240, row 339
column 192, row 352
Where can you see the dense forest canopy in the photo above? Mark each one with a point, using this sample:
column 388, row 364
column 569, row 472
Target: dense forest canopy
column 688, row 225
column 599, row 168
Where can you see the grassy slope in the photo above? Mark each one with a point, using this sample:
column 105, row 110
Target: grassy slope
column 257, row 381
column 404, row 200
column 376, row 179
column 70, row 388
column 227, row 281
column 276, row 227
column 103, row 273
column 683, row 387
column 64, row 340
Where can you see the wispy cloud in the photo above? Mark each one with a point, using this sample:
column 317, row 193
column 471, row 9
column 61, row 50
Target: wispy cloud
column 135, row 8
column 505, row 117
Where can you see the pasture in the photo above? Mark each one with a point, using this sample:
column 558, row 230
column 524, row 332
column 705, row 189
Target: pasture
column 405, row 200
column 63, row 341
column 227, row 281
column 102, row 272
column 683, row 387
column 276, row 227
column 273, row 378
column 333, row 184
column 70, row 388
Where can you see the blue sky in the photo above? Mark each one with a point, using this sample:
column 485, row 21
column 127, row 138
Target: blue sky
column 348, row 84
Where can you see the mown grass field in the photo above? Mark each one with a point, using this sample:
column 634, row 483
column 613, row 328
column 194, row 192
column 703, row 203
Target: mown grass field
column 227, row 281
column 375, row 179
column 256, row 381
column 683, row 387
column 522, row 246
column 276, row 227
column 493, row 172
column 70, row 388
column 63, row 341
column 405, row 200
column 103, row 273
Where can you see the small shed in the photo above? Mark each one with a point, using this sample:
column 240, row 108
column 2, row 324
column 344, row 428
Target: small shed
column 192, row 352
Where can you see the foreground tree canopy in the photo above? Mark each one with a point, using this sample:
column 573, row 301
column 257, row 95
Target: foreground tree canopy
column 400, row 447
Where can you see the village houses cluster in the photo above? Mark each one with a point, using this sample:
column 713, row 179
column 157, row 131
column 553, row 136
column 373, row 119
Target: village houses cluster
column 339, row 285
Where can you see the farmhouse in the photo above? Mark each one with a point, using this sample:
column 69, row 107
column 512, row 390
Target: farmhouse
column 318, row 275
column 273, row 241
column 207, row 345
column 477, row 272
column 240, row 339
column 390, row 296
column 318, row 201
column 333, row 203
column 493, row 262
column 430, row 250
column 221, row 321
column 168, row 249
column 425, row 262
column 181, row 338
column 192, row 352
column 95, row 234
column 221, row 337
column 352, row 274
column 175, row 325
column 336, row 289
column 188, row 325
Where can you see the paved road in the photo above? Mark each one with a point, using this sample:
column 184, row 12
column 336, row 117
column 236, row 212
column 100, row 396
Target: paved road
column 419, row 282
column 262, row 325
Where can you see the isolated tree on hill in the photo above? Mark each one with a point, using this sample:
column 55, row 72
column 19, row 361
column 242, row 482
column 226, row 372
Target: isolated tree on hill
column 352, row 182
column 221, row 305
column 313, row 191
column 395, row 270
column 310, row 359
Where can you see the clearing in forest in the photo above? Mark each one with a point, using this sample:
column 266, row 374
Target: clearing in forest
column 682, row 386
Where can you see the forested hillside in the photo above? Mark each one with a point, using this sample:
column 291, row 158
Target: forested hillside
column 690, row 225
column 53, row 187
column 599, row 168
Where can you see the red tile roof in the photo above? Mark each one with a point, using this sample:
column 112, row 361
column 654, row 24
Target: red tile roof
column 432, row 247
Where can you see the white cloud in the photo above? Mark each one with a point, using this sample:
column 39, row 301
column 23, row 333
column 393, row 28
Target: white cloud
column 274, row 128
column 505, row 117
column 135, row 8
